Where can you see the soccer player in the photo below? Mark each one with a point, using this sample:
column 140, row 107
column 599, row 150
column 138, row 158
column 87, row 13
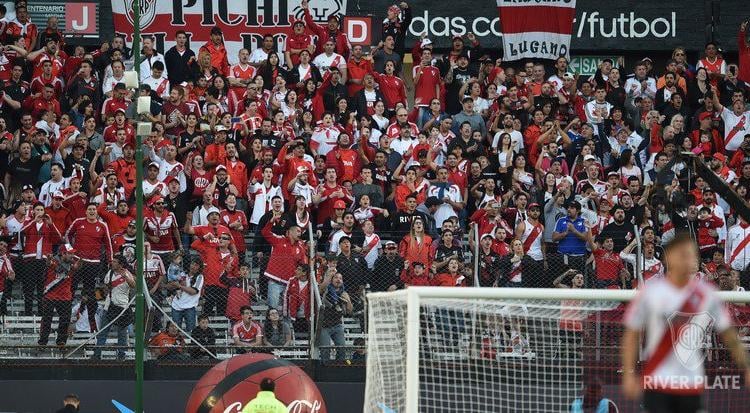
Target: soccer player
column 673, row 374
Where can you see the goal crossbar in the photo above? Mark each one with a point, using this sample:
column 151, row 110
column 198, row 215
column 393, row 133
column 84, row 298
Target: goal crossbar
column 536, row 294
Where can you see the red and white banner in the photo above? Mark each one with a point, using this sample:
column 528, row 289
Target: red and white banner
column 537, row 29
column 243, row 23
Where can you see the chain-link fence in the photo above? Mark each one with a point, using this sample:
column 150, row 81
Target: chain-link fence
column 300, row 295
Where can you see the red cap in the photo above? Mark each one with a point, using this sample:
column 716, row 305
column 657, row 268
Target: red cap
column 720, row 156
column 339, row 204
column 169, row 179
column 534, row 205
column 704, row 115
column 154, row 200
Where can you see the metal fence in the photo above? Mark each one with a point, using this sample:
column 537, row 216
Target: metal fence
column 192, row 317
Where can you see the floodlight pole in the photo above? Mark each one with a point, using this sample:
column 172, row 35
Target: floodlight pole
column 140, row 331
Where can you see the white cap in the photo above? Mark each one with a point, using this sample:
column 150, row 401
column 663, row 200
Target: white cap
column 425, row 42
column 589, row 158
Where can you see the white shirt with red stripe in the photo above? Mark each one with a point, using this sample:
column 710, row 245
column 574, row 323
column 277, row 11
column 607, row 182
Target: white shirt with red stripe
column 736, row 254
column 733, row 137
column 532, row 240
column 324, row 139
column 681, row 370
column 325, row 62
column 160, row 86
column 372, row 241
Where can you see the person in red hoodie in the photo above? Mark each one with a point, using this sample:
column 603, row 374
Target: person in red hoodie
column 58, row 294
column 451, row 278
column 344, row 159
column 118, row 220
column 59, row 214
column 240, row 293
column 297, row 298
column 330, row 30
column 414, row 274
column 42, row 102
column 219, row 259
column 236, row 221
column 218, row 51
column 287, row 251
column 39, row 236
column 88, row 236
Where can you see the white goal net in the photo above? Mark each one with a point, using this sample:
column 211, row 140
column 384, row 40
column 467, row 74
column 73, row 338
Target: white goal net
column 482, row 353
column 478, row 350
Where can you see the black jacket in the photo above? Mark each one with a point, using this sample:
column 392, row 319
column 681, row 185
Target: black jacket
column 178, row 68
column 359, row 101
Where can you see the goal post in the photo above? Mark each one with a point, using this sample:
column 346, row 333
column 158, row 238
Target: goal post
column 437, row 349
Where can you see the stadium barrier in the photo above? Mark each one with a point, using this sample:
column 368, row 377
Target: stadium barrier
column 235, row 280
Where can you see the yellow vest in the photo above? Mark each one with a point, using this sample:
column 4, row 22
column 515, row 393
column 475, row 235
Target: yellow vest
column 265, row 402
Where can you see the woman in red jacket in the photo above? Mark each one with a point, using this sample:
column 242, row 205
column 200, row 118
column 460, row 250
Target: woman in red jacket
column 452, row 277
column 415, row 246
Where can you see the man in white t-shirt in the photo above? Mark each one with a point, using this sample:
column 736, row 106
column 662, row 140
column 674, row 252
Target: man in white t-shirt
column 329, row 58
column 260, row 55
column 450, row 195
column 673, row 377
column 736, row 123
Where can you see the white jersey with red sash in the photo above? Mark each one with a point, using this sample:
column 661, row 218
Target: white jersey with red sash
column 735, row 128
column 675, row 361
column 324, row 139
column 737, row 247
column 516, row 269
column 532, row 240
column 325, row 63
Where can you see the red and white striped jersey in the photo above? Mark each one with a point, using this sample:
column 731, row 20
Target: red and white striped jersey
column 153, row 269
column 247, row 334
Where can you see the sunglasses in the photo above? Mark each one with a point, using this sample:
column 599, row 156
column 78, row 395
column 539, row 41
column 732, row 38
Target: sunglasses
column 226, row 238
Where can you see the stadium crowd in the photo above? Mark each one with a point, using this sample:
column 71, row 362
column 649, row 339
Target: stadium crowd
column 549, row 170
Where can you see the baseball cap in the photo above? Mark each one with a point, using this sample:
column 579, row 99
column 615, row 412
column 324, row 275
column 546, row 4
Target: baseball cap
column 339, row 204
column 613, row 173
column 704, row 115
column 169, row 179
column 390, row 244
column 569, row 75
column 220, row 167
column 221, row 128
column 154, row 164
column 58, row 194
column 488, row 235
column 425, row 42
column 213, row 210
column 28, row 188
column 720, row 156
column 589, row 158
column 534, row 205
